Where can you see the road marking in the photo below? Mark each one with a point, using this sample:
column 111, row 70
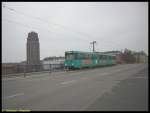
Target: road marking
column 118, row 70
column 142, row 77
column 104, row 74
column 14, row 78
column 38, row 79
column 15, row 95
column 68, row 82
column 85, row 78
column 89, row 78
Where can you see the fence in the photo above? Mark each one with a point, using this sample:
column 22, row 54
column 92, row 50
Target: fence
column 17, row 68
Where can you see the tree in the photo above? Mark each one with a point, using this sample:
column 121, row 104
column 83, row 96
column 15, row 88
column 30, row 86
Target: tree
column 128, row 56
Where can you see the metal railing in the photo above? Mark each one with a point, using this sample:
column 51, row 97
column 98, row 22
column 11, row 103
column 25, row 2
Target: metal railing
column 24, row 69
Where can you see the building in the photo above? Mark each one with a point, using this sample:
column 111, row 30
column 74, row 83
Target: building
column 141, row 57
column 54, row 62
column 33, row 51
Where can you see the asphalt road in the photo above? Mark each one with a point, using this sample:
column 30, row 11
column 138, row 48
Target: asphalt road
column 116, row 88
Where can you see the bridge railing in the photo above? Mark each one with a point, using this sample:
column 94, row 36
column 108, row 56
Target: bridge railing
column 23, row 69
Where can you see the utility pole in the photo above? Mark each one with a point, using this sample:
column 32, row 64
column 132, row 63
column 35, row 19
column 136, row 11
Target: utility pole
column 93, row 45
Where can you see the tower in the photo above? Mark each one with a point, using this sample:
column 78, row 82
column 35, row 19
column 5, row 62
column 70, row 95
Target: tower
column 33, row 50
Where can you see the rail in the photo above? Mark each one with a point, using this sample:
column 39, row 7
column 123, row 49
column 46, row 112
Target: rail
column 17, row 69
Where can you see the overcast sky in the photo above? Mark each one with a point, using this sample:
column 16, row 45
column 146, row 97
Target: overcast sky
column 65, row 26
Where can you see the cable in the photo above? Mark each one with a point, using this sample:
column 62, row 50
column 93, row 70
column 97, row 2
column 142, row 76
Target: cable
column 36, row 28
column 19, row 23
column 34, row 17
column 38, row 18
column 87, row 35
column 24, row 25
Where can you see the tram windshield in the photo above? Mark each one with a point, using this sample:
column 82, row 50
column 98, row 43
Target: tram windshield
column 69, row 56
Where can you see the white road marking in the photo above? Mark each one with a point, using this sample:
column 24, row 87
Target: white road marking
column 86, row 78
column 67, row 82
column 14, row 78
column 15, row 95
column 101, row 74
column 104, row 74
column 118, row 70
column 142, row 77
column 37, row 79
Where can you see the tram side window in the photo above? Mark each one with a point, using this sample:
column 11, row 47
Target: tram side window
column 100, row 57
column 114, row 58
column 80, row 56
column 94, row 56
column 85, row 56
column 90, row 56
column 110, row 57
column 104, row 58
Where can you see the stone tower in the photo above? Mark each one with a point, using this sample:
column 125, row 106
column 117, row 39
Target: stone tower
column 33, row 49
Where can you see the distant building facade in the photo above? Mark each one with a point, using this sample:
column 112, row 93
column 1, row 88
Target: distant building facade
column 55, row 62
column 141, row 57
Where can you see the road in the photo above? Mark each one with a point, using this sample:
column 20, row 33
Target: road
column 121, row 87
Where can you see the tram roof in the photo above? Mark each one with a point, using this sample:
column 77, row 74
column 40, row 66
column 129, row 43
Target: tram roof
column 89, row 53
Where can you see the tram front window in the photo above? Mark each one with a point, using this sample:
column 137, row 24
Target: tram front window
column 69, row 56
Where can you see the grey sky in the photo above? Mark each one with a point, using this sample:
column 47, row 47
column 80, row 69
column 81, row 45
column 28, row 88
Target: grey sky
column 72, row 26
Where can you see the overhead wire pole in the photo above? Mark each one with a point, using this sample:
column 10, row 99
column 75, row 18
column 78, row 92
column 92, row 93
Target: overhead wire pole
column 93, row 45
